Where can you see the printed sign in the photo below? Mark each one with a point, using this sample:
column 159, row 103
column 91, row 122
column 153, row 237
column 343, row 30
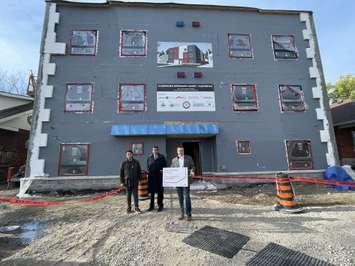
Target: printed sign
column 175, row 177
column 185, row 98
column 197, row 54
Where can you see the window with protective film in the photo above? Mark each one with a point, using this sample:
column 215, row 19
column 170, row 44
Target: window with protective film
column 244, row 97
column 78, row 97
column 74, row 159
column 284, row 47
column 239, row 45
column 292, row 98
column 137, row 148
column 243, row 146
column 133, row 43
column 83, row 42
column 299, row 154
column 131, row 98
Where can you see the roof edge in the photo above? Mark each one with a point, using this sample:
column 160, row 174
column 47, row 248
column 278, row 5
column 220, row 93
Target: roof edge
column 13, row 95
column 345, row 102
column 109, row 3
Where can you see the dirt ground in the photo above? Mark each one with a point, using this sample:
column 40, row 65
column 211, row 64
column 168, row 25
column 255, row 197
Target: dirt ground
column 101, row 233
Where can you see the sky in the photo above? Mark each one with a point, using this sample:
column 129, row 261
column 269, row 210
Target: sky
column 21, row 27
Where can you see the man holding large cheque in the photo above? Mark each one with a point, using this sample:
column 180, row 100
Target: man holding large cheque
column 181, row 175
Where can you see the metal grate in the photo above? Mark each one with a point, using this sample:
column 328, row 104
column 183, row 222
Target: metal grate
column 276, row 255
column 218, row 241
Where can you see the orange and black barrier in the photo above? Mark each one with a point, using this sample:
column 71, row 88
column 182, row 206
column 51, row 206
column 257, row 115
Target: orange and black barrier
column 143, row 187
column 285, row 195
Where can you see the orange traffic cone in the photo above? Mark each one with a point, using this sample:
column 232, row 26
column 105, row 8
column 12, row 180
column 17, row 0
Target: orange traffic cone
column 143, row 187
column 285, row 195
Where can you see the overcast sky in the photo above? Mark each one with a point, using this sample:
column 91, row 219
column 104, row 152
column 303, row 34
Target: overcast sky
column 21, row 26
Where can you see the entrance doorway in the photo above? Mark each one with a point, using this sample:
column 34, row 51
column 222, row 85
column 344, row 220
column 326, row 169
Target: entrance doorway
column 202, row 151
column 193, row 149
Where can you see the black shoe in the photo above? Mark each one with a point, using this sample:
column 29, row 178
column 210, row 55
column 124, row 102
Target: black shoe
column 137, row 210
column 160, row 208
column 189, row 218
column 182, row 217
column 129, row 210
column 150, row 209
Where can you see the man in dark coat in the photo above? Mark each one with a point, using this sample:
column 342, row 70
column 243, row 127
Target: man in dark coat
column 130, row 174
column 155, row 164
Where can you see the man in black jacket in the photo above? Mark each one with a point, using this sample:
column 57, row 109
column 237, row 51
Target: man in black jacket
column 155, row 164
column 130, row 174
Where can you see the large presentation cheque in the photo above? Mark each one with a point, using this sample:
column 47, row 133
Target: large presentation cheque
column 175, row 177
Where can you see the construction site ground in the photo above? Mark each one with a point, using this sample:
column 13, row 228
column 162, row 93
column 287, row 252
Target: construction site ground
column 101, row 233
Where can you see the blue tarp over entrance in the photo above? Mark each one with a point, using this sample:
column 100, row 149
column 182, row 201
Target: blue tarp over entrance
column 164, row 129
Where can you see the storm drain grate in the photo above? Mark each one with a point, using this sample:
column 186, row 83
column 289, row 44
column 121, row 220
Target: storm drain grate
column 218, row 241
column 276, row 255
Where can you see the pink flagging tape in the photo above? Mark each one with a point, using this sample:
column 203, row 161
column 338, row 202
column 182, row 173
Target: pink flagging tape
column 272, row 178
column 32, row 202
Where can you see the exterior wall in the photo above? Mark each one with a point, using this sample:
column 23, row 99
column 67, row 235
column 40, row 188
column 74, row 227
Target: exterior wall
column 14, row 123
column 267, row 129
column 13, row 150
column 346, row 145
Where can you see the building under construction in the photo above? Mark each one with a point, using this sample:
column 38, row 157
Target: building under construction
column 248, row 96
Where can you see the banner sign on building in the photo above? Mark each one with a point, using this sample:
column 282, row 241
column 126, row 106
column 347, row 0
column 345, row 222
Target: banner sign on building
column 197, row 54
column 185, row 98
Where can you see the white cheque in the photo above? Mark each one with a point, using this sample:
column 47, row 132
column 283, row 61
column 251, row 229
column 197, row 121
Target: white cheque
column 175, row 177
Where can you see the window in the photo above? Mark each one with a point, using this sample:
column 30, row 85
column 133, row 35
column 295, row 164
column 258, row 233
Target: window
column 244, row 98
column 284, row 47
column 133, row 43
column 239, row 46
column 137, row 148
column 299, row 154
column 131, row 98
column 8, row 157
column 74, row 159
column 292, row 98
column 78, row 97
column 353, row 135
column 243, row 146
column 83, row 42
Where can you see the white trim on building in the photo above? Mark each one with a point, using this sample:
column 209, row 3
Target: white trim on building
column 314, row 72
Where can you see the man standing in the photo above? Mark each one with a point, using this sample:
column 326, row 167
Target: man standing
column 183, row 160
column 130, row 175
column 155, row 164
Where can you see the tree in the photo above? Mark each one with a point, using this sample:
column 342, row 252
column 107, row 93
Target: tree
column 13, row 82
column 343, row 89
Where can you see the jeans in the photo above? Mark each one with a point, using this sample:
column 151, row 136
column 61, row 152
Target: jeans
column 130, row 191
column 184, row 200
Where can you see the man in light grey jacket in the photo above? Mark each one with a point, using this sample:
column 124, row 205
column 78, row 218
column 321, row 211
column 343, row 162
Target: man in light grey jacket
column 182, row 160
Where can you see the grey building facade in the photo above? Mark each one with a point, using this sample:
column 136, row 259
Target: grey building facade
column 118, row 76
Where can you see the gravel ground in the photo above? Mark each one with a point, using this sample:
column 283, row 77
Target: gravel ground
column 101, row 233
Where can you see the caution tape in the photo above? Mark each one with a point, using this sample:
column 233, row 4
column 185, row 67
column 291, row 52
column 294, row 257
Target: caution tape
column 212, row 177
column 272, row 178
column 323, row 181
column 32, row 202
column 46, row 203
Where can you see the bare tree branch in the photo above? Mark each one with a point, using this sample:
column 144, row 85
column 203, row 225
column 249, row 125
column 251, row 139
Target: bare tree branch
column 15, row 82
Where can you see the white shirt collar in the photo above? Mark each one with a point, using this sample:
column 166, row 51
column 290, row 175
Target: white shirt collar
column 181, row 161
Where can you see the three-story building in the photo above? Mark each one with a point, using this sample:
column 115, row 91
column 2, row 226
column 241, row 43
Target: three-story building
column 242, row 89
